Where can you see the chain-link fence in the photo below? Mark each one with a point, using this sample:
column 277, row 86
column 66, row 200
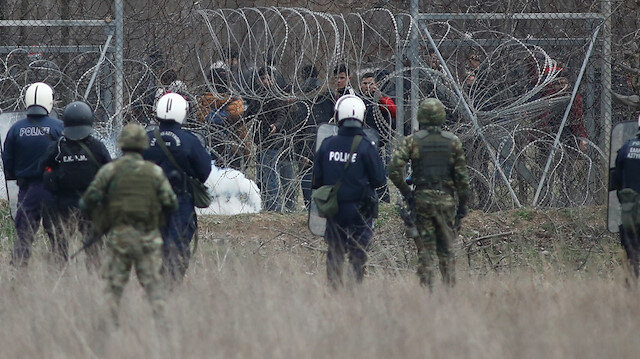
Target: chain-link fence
column 506, row 73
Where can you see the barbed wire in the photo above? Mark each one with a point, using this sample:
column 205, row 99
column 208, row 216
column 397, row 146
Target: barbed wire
column 516, row 76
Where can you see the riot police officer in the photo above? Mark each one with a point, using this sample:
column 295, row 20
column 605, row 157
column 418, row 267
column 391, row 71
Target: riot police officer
column 351, row 229
column 25, row 144
column 184, row 149
column 626, row 181
column 440, row 175
column 69, row 167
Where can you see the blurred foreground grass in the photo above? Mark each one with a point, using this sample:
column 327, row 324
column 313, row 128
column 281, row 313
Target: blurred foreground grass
column 530, row 285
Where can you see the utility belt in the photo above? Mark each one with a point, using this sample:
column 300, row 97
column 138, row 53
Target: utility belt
column 435, row 187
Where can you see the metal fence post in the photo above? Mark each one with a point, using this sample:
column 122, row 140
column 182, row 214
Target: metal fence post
column 119, row 66
column 399, row 80
column 605, row 94
column 413, row 48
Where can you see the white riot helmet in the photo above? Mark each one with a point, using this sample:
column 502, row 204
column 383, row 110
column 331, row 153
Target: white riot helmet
column 39, row 99
column 172, row 107
column 349, row 111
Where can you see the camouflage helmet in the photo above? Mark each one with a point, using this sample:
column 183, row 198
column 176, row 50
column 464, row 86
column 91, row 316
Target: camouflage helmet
column 431, row 112
column 133, row 137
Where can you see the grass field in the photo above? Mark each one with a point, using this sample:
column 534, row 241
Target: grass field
column 531, row 284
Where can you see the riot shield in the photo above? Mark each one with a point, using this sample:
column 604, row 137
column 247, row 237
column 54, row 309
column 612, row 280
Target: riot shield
column 317, row 224
column 620, row 134
column 10, row 192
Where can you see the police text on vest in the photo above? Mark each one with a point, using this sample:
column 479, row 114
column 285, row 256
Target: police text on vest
column 34, row 131
column 337, row 156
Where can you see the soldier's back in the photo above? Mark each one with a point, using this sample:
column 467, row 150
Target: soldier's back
column 133, row 197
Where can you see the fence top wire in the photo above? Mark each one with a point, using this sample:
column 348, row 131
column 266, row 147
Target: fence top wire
column 512, row 72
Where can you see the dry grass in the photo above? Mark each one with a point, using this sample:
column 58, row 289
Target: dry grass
column 257, row 289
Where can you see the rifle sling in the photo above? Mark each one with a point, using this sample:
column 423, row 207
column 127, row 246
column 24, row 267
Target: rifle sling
column 89, row 153
column 39, row 126
column 163, row 146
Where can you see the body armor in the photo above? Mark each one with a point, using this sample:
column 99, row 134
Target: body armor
column 433, row 161
column 132, row 198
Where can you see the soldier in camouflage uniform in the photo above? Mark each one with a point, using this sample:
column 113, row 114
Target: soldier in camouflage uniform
column 131, row 195
column 439, row 172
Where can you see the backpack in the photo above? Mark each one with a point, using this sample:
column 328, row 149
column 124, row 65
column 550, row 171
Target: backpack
column 75, row 168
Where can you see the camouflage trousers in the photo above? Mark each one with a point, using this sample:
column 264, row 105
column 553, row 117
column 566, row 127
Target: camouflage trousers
column 435, row 215
column 130, row 247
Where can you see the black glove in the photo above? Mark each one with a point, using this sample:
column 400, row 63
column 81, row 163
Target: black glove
column 410, row 199
column 462, row 211
column 368, row 206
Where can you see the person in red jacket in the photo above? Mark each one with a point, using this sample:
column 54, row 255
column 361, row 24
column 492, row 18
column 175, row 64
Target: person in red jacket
column 550, row 121
column 380, row 114
column 381, row 110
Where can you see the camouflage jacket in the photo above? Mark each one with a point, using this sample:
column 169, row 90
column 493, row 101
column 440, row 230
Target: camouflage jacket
column 415, row 148
column 132, row 192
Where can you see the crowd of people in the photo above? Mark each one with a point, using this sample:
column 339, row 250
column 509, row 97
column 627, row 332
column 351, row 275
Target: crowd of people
column 281, row 130
column 141, row 205
column 140, row 208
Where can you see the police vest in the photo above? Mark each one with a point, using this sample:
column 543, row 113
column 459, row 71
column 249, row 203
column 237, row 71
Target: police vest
column 433, row 164
column 132, row 198
column 75, row 169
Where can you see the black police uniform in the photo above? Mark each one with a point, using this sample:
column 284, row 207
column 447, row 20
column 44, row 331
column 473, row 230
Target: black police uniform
column 24, row 146
column 626, row 175
column 194, row 159
column 351, row 229
column 69, row 170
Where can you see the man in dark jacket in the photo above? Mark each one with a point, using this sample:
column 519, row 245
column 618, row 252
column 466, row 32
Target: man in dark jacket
column 69, row 166
column 187, row 152
column 26, row 142
column 351, row 229
column 273, row 137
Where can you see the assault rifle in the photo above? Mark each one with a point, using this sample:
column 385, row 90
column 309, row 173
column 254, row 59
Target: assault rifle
column 85, row 246
column 408, row 213
column 99, row 225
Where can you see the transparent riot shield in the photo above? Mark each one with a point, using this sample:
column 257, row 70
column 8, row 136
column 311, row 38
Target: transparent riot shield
column 620, row 134
column 10, row 191
column 317, row 224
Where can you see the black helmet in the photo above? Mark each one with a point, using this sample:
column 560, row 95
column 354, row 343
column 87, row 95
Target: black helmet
column 78, row 120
